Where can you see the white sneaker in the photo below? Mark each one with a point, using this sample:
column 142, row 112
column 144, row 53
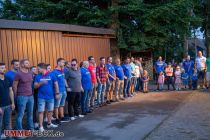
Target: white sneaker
column 53, row 119
column 52, row 125
column 72, row 118
column 41, row 129
column 36, row 125
column 45, row 119
column 81, row 116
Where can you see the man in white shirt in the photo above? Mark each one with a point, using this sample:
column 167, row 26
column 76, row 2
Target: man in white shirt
column 201, row 67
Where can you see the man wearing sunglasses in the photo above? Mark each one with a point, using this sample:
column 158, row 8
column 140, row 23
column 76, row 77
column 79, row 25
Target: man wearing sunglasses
column 73, row 78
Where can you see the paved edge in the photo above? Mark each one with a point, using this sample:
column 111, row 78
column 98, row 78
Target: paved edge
column 170, row 115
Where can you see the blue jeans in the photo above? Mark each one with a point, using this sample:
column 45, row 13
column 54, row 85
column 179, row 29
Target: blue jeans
column 85, row 100
column 100, row 95
column 5, row 118
column 127, row 84
column 25, row 102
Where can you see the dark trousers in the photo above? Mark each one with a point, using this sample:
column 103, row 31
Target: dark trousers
column 170, row 81
column 74, row 99
column 194, row 84
column 127, row 85
column 139, row 85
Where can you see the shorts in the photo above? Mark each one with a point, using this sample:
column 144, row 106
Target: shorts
column 61, row 101
column 208, row 76
column 110, row 85
column 43, row 103
column 201, row 75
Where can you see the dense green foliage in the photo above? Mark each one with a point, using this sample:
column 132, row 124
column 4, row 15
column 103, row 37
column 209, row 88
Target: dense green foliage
column 140, row 24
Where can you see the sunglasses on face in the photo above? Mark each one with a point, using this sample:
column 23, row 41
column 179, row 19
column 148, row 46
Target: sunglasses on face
column 73, row 64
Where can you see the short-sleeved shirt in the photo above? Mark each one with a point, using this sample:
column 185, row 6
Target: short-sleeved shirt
column 86, row 79
column 92, row 70
column 208, row 64
column 159, row 66
column 185, row 76
column 169, row 71
column 46, row 91
column 137, row 70
column 194, row 77
column 11, row 75
column 5, row 99
column 127, row 70
column 102, row 73
column 119, row 72
column 73, row 78
column 111, row 70
column 201, row 63
column 132, row 69
column 188, row 66
column 24, row 87
column 59, row 74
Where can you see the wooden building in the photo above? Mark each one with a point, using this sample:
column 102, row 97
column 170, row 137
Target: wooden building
column 45, row 42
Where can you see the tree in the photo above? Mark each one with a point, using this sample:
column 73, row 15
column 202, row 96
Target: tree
column 139, row 24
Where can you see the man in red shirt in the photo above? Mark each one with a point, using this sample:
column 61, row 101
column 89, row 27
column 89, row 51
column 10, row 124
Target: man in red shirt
column 92, row 69
column 102, row 76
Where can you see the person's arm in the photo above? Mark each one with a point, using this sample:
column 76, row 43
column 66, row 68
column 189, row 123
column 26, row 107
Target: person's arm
column 97, row 74
column 14, row 87
column 56, row 90
column 12, row 97
column 155, row 67
column 38, row 84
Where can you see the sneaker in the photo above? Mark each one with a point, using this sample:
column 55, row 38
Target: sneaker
column 108, row 102
column 72, row 118
column 41, row 129
column 81, row 116
column 64, row 119
column 57, row 122
column 36, row 125
column 90, row 111
column 53, row 119
column 52, row 125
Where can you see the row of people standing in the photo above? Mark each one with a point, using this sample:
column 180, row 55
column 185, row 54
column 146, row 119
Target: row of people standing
column 41, row 91
column 188, row 74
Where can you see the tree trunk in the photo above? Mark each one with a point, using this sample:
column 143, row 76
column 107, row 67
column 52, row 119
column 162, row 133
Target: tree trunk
column 206, row 26
column 185, row 46
column 114, row 50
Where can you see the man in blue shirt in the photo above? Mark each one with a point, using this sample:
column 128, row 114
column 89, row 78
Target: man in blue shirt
column 45, row 82
column 111, row 80
column 15, row 64
column 188, row 67
column 87, row 87
column 119, row 84
column 159, row 67
column 127, row 82
column 62, row 84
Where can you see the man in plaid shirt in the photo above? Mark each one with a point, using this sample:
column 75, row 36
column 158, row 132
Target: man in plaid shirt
column 102, row 76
